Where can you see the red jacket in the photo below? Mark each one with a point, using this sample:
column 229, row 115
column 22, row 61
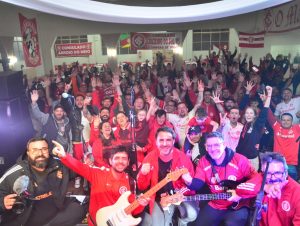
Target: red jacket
column 284, row 211
column 235, row 167
column 101, row 152
column 151, row 179
column 105, row 189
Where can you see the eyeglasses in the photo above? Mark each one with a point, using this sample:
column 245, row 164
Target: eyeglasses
column 277, row 174
column 211, row 146
column 38, row 150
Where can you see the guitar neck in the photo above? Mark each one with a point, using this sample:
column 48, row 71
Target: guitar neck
column 148, row 194
column 203, row 197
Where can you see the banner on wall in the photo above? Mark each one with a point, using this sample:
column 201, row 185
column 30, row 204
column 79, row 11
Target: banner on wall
column 283, row 18
column 254, row 40
column 73, row 49
column 30, row 43
column 155, row 40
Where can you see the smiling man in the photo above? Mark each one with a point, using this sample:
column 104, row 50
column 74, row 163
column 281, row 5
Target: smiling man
column 156, row 165
column 286, row 141
column 281, row 192
column 107, row 184
column 221, row 164
column 46, row 202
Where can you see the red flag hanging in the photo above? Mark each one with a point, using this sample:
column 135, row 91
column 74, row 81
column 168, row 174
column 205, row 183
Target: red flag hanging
column 31, row 47
column 255, row 40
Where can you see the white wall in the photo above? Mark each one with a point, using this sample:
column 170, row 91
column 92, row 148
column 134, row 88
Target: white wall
column 50, row 26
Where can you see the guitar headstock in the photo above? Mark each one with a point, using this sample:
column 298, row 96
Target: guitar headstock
column 173, row 176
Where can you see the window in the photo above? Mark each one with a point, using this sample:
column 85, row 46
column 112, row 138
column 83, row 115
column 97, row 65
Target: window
column 71, row 39
column 18, row 48
column 204, row 39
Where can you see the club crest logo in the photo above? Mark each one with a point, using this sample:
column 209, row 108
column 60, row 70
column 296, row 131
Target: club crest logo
column 122, row 190
column 285, row 205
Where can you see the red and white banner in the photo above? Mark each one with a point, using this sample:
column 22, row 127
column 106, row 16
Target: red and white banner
column 283, row 18
column 31, row 46
column 254, row 40
column 155, row 40
column 73, row 49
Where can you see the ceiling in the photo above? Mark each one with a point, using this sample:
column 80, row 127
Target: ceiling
column 156, row 3
column 147, row 11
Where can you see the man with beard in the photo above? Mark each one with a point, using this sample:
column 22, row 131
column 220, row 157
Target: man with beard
column 42, row 182
column 80, row 119
column 107, row 184
column 56, row 126
column 281, row 192
column 155, row 167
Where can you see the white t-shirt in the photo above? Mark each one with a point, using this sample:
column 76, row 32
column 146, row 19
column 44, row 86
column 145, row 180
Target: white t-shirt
column 291, row 107
column 86, row 128
column 232, row 135
column 180, row 125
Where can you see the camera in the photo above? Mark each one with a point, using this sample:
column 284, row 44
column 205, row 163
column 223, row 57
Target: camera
column 21, row 202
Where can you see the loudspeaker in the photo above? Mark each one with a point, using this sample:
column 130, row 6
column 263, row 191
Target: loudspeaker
column 11, row 84
column 14, row 110
column 15, row 122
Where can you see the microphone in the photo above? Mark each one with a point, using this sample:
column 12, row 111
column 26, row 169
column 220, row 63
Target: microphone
column 21, row 185
column 132, row 96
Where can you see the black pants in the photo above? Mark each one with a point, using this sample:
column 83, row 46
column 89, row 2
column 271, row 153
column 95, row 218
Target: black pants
column 72, row 213
column 209, row 216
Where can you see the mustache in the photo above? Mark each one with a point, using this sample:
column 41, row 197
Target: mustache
column 41, row 156
column 275, row 181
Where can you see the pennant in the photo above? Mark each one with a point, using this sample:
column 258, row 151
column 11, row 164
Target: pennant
column 255, row 40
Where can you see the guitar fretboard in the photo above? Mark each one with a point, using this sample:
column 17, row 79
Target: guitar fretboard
column 170, row 177
column 202, row 197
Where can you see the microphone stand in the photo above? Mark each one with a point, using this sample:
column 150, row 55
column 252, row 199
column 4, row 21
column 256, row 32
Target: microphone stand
column 259, row 206
column 132, row 119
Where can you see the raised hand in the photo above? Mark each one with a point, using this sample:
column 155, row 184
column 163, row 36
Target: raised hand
column 47, row 81
column 175, row 95
column 116, row 80
column 94, row 83
column 200, row 86
column 146, row 167
column 269, row 91
column 187, row 80
column 34, row 96
column 68, row 86
column 58, row 149
column 223, row 119
column 216, row 98
column 99, row 82
column 96, row 121
column 249, row 86
column 241, row 78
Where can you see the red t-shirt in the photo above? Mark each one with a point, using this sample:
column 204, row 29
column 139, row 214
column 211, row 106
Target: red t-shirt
column 285, row 142
column 204, row 124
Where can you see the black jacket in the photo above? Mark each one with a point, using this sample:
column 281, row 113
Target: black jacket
column 57, row 176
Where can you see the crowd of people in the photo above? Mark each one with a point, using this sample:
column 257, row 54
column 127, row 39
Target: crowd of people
column 127, row 129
